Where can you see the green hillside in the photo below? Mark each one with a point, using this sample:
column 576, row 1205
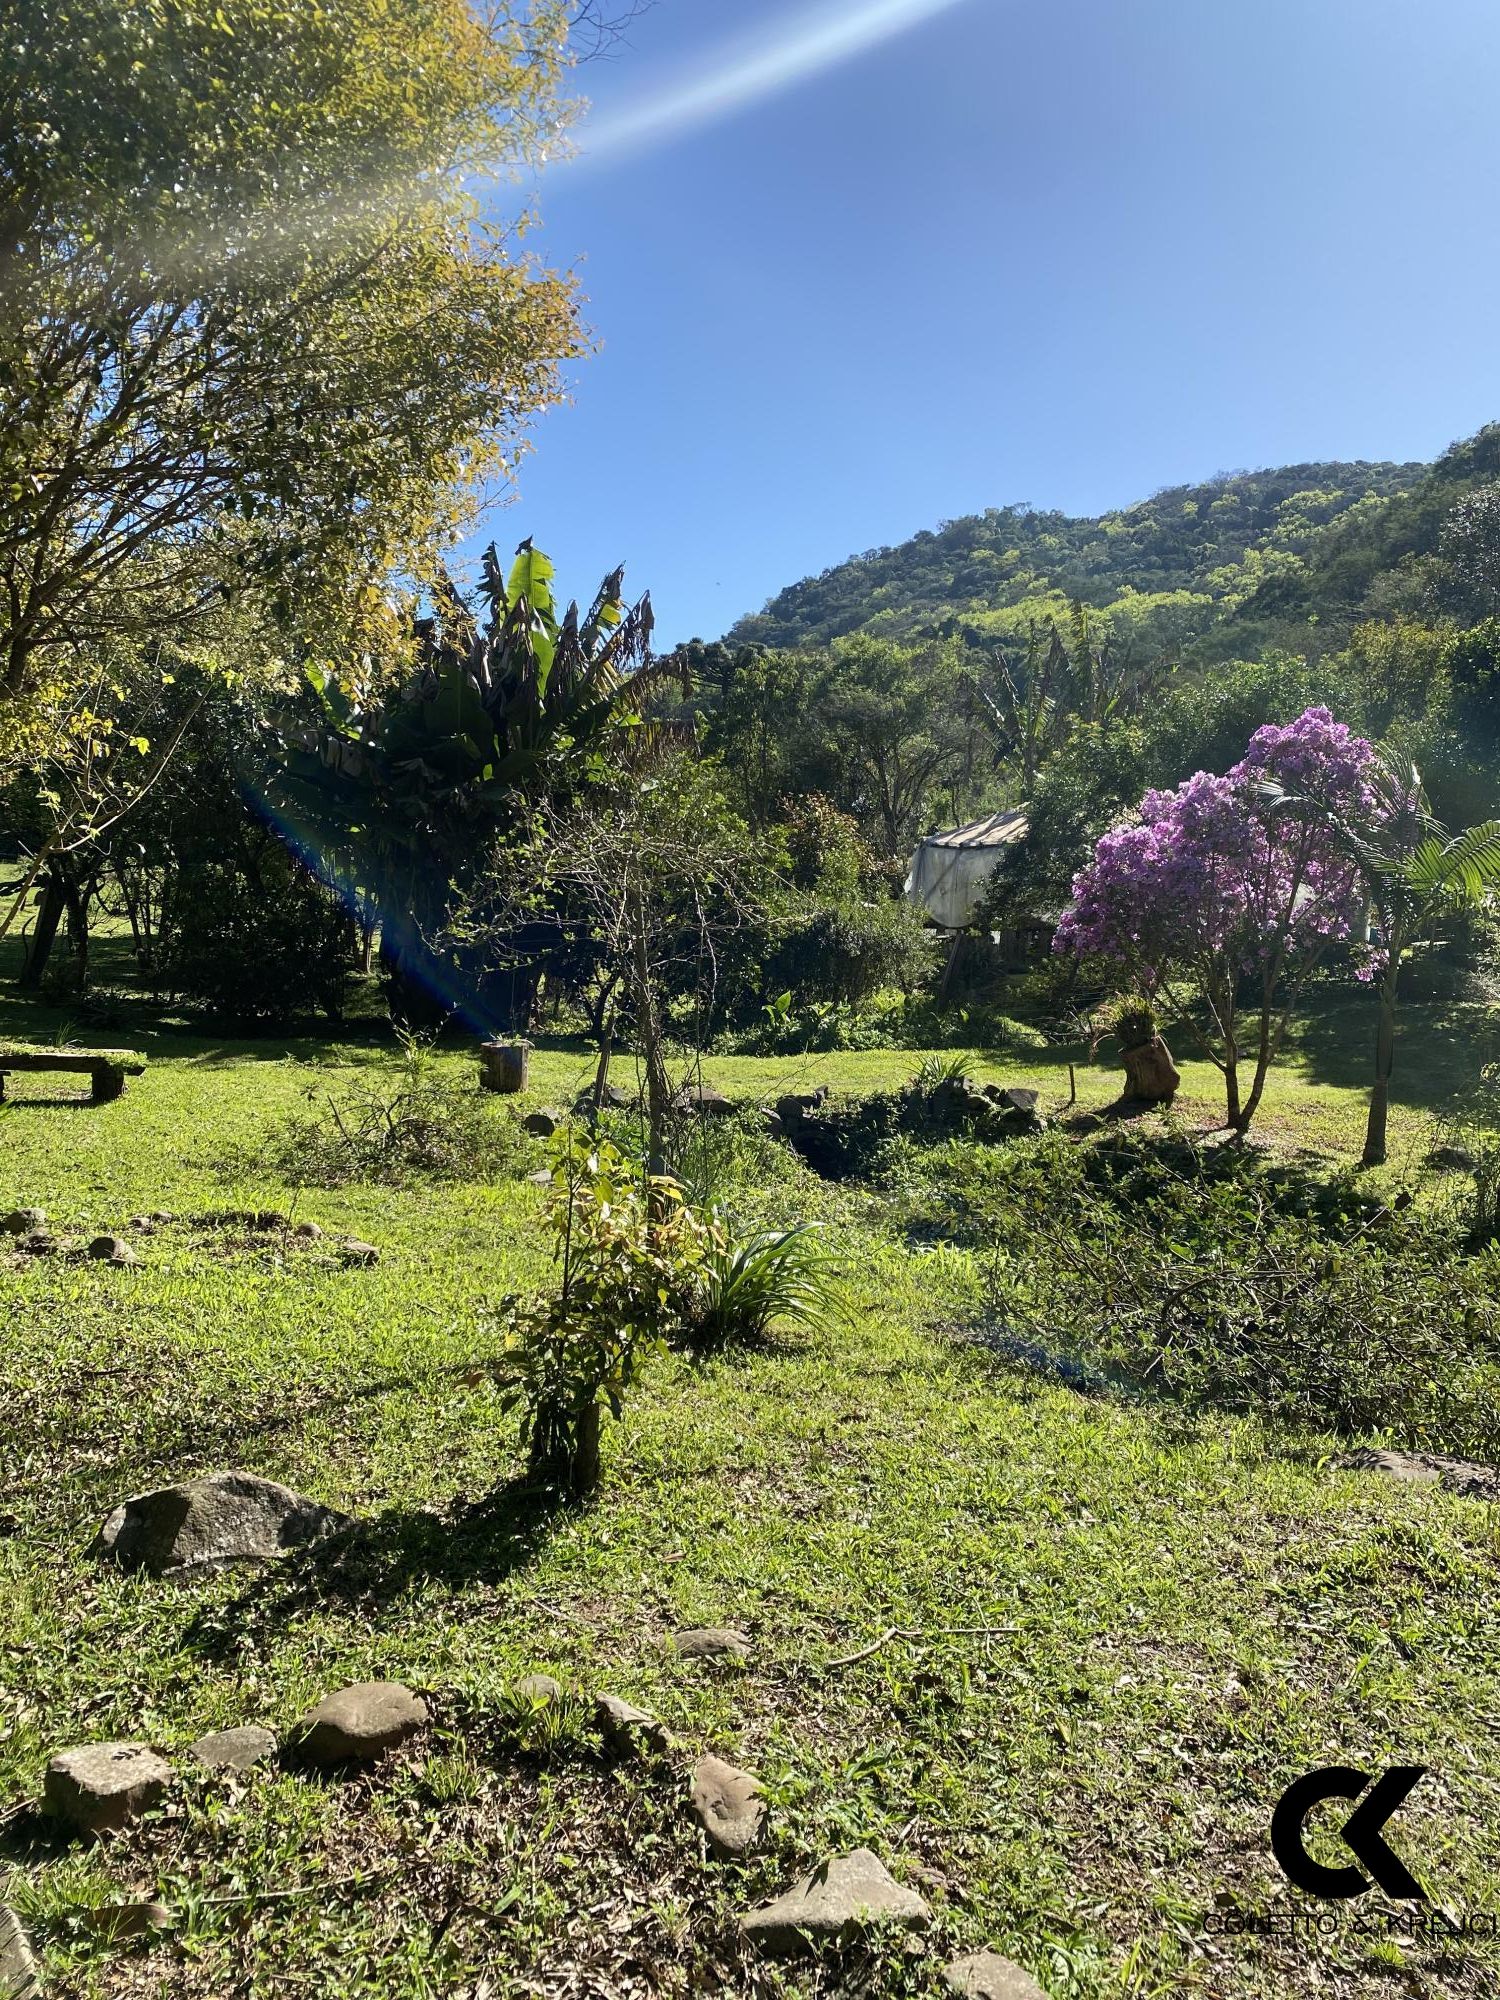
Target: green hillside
column 1222, row 567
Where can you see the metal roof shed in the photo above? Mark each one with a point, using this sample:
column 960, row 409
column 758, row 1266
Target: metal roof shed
column 951, row 871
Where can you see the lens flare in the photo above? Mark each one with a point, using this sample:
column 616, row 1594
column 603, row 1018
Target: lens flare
column 791, row 51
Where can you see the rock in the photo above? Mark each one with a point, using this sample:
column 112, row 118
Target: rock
column 711, row 1642
column 101, row 1787
column 631, row 1729
column 793, row 1105
column 985, row 1975
column 614, row 1097
column 310, row 1232
column 539, row 1689
column 235, row 1749
column 224, row 1517
column 541, row 1178
column 1429, row 1468
column 847, row 1895
column 698, row 1101
column 119, row 1921
column 113, row 1250
column 1151, row 1076
column 1017, row 1105
column 360, row 1724
column 1451, row 1159
column 22, row 1221
column 39, row 1243
column 541, row 1123
column 773, row 1124
column 160, row 1215
column 362, row 1254
column 19, row 1979
column 728, row 1804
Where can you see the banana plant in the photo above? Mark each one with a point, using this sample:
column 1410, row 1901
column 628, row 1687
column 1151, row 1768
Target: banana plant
column 400, row 798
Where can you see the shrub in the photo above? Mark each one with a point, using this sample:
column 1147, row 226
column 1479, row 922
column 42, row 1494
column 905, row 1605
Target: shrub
column 632, row 1254
column 257, row 946
column 776, row 1275
column 1250, row 1288
column 410, row 1121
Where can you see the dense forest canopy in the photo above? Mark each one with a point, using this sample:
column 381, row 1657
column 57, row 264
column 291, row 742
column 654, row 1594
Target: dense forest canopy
column 1293, row 555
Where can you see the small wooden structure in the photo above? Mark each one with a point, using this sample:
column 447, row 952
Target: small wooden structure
column 502, row 1066
column 106, row 1069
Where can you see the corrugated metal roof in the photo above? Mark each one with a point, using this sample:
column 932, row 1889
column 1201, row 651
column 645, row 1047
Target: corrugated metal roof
column 999, row 830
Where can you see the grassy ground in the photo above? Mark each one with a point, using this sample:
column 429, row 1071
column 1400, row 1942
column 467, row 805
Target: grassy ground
column 1184, row 1615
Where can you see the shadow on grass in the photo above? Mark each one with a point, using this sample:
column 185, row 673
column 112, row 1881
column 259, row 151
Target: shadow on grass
column 371, row 1566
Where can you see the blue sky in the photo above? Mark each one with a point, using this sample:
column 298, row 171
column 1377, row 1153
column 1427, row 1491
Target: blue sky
column 1064, row 252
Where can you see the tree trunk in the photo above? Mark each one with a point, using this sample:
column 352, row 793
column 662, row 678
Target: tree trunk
column 648, row 1027
column 1380, row 1092
column 39, row 946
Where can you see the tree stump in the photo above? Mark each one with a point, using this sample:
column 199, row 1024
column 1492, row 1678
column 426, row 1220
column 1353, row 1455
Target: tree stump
column 502, row 1066
column 1151, row 1076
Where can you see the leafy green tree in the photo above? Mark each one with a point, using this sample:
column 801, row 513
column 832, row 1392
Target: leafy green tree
column 1417, row 875
column 258, row 338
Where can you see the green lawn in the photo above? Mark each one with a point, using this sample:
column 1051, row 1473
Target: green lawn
column 1186, row 1613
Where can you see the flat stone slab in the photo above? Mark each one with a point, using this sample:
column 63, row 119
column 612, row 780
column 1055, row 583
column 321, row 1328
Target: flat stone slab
column 224, row 1517
column 728, row 1804
column 711, row 1642
column 847, row 1896
column 19, row 1979
column 630, row 1728
column 985, row 1975
column 235, row 1749
column 1429, row 1468
column 360, row 1723
column 102, row 1787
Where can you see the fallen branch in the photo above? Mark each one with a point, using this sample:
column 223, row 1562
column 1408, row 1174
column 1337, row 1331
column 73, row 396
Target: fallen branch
column 918, row 1633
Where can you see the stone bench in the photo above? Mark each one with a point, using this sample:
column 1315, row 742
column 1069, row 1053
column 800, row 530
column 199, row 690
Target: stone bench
column 107, row 1069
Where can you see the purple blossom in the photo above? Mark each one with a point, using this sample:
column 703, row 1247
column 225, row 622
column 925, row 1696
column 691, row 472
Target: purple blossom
column 1229, row 875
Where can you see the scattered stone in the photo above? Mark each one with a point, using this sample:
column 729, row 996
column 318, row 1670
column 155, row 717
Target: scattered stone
column 161, row 1215
column 360, row 1724
column 362, row 1254
column 235, row 1749
column 223, row 1517
column 39, row 1243
column 1429, row 1468
column 540, row 1689
column 711, row 1642
column 728, row 1804
column 310, row 1232
column 22, row 1221
column 698, row 1101
column 541, row 1123
column 101, row 1787
column 985, row 1975
column 119, row 1921
column 112, row 1250
column 19, row 1979
column 794, row 1104
column 847, row 1895
column 1018, row 1106
column 614, row 1097
column 631, row 1729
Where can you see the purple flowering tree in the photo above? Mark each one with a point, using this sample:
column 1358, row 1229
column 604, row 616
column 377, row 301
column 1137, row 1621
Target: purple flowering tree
column 1223, row 894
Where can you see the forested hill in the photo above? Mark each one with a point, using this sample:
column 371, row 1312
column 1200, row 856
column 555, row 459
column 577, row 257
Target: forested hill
column 1241, row 560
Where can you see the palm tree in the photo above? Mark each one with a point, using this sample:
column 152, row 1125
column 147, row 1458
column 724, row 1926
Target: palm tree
column 1416, row 873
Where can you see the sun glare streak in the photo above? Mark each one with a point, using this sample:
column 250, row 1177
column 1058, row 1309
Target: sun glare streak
column 789, row 52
